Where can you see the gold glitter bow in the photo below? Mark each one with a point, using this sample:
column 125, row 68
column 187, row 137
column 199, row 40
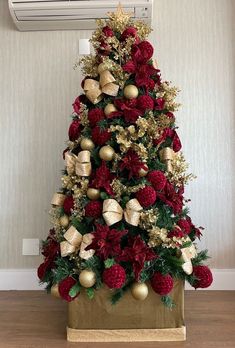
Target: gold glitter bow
column 166, row 156
column 58, row 199
column 94, row 89
column 187, row 254
column 113, row 212
column 72, row 242
column 132, row 212
column 75, row 241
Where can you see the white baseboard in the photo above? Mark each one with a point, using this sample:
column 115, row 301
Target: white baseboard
column 26, row 279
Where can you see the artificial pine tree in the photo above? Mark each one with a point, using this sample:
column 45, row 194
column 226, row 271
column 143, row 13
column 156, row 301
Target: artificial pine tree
column 120, row 220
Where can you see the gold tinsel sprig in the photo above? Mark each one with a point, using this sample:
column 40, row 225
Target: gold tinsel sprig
column 148, row 218
column 121, row 189
column 157, row 236
column 179, row 175
column 168, row 93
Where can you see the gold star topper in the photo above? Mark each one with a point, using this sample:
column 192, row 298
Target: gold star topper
column 120, row 16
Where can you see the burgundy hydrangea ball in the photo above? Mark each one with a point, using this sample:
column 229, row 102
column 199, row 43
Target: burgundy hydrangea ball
column 108, row 32
column 162, row 284
column 68, row 204
column 77, row 105
column 64, row 288
column 74, row 130
column 146, row 196
column 93, row 209
column 129, row 32
column 146, row 50
column 131, row 115
column 157, row 179
column 114, row 277
column 94, row 116
column 100, row 136
column 145, row 102
column 203, row 275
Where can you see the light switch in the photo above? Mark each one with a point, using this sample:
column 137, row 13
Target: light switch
column 30, row 246
column 84, row 46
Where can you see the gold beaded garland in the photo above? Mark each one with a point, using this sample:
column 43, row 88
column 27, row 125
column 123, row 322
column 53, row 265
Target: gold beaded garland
column 64, row 220
column 139, row 291
column 87, row 278
column 131, row 91
column 93, row 193
column 87, row 144
column 109, row 108
column 106, row 153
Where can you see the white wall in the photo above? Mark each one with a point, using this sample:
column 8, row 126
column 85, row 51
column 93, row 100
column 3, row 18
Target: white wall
column 194, row 43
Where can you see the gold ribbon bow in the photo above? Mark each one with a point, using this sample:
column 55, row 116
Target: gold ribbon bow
column 132, row 212
column 187, row 254
column 75, row 241
column 94, row 89
column 113, row 212
column 58, row 199
column 72, row 242
column 81, row 164
column 166, row 156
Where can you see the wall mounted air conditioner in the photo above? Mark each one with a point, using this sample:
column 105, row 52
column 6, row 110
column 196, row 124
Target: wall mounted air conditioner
column 71, row 14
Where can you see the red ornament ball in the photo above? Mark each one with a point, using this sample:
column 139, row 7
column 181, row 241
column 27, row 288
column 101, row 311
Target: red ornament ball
column 65, row 286
column 162, row 284
column 94, row 116
column 114, row 277
column 157, row 179
column 145, row 102
column 203, row 275
column 74, row 130
column 146, row 196
column 68, row 205
column 100, row 136
column 94, row 209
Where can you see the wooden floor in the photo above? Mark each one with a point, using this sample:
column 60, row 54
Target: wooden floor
column 32, row 319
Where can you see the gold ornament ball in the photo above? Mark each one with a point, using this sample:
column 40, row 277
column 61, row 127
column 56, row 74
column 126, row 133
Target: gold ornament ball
column 64, row 221
column 87, row 278
column 87, row 144
column 139, row 291
column 93, row 193
column 55, row 291
column 106, row 153
column 131, row 91
column 143, row 172
column 109, row 108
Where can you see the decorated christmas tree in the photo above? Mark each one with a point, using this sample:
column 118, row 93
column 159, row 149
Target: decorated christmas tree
column 120, row 219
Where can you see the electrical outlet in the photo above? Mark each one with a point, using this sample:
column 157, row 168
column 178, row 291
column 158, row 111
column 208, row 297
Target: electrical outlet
column 30, row 246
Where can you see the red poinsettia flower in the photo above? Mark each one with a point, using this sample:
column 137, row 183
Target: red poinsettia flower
column 102, row 179
column 132, row 163
column 169, row 133
column 196, row 230
column 106, row 241
column 144, row 73
column 172, row 198
column 137, row 252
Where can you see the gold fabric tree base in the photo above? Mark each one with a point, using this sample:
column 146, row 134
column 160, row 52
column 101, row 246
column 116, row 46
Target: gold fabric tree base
column 97, row 320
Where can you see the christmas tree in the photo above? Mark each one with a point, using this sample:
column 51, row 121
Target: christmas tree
column 120, row 219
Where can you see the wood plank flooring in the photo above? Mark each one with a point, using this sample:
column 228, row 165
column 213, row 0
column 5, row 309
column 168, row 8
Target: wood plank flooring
column 33, row 319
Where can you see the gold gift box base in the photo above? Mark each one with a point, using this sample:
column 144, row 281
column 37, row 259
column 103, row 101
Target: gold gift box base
column 127, row 335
